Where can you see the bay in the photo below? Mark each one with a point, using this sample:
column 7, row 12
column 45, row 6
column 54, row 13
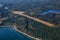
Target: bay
column 12, row 34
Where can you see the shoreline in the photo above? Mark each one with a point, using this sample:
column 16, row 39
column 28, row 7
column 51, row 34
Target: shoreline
column 21, row 32
column 25, row 34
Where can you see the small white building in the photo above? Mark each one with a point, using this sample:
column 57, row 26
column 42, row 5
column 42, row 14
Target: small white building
column 6, row 8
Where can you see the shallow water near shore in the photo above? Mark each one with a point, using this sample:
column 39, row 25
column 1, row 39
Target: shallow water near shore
column 11, row 34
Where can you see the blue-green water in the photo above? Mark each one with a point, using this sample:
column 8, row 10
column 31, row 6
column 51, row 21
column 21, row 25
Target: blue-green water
column 11, row 34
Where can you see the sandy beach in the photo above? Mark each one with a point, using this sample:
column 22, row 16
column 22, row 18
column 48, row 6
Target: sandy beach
column 25, row 33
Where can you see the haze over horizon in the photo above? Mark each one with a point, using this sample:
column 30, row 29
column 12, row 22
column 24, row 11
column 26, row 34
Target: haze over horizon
column 17, row 1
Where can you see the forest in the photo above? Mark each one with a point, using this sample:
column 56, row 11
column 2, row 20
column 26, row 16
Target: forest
column 32, row 27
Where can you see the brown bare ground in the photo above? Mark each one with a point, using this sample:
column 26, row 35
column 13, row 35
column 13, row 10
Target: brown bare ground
column 35, row 19
column 3, row 19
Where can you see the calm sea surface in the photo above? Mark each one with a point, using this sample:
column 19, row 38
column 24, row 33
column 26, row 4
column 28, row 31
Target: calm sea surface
column 11, row 34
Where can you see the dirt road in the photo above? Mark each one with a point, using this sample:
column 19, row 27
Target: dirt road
column 3, row 19
column 35, row 19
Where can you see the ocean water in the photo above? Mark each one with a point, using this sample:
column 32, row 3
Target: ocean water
column 11, row 34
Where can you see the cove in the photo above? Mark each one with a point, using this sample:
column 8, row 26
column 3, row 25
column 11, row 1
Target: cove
column 11, row 34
